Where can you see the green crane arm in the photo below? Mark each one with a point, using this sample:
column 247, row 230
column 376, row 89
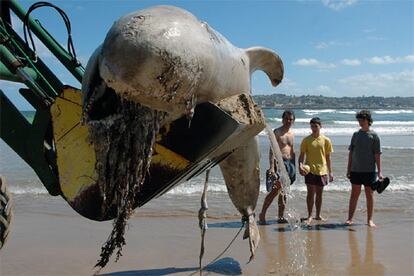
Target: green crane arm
column 32, row 141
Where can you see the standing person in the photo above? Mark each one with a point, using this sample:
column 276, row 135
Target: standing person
column 364, row 153
column 285, row 138
column 317, row 148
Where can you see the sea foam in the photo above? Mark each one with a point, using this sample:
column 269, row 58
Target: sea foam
column 341, row 131
column 398, row 111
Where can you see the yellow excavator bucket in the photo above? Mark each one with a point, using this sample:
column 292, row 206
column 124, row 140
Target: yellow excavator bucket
column 181, row 151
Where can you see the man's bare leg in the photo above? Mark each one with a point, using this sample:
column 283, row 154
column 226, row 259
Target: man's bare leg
column 369, row 194
column 266, row 204
column 281, row 203
column 318, row 202
column 353, row 200
column 310, row 201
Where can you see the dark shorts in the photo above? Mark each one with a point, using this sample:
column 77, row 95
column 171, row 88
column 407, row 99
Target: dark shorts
column 291, row 169
column 318, row 180
column 363, row 178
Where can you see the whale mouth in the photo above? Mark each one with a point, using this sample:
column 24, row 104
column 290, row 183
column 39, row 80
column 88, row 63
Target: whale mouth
column 123, row 134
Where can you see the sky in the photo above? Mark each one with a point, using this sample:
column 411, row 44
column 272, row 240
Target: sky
column 330, row 48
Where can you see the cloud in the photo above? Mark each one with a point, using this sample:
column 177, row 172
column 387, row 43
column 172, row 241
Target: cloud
column 311, row 62
column 326, row 66
column 369, row 30
column 337, row 5
column 377, row 38
column 391, row 60
column 317, row 90
column 384, row 84
column 322, row 45
column 287, row 84
column 322, row 89
column 369, row 84
column 351, row 62
column 306, row 62
column 328, row 44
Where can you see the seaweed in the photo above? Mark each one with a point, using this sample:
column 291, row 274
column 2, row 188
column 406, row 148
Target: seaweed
column 123, row 142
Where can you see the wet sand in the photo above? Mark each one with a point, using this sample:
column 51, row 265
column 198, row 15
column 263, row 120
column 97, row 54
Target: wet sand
column 53, row 240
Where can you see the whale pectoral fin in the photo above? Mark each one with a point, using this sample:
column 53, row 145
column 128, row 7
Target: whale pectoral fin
column 241, row 174
column 268, row 61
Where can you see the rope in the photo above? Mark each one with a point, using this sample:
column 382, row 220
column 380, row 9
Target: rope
column 224, row 251
column 228, row 246
column 6, row 213
column 202, row 219
column 203, row 227
column 27, row 31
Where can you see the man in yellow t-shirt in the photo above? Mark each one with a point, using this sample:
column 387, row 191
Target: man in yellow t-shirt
column 317, row 148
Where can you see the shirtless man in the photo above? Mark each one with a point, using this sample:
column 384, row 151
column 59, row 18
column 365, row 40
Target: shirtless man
column 285, row 139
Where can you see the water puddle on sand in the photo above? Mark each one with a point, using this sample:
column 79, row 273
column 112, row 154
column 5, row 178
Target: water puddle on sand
column 297, row 259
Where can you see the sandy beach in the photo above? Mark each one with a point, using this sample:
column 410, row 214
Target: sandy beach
column 53, row 240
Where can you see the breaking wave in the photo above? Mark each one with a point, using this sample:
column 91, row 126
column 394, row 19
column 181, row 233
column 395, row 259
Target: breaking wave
column 379, row 111
column 297, row 120
column 195, row 187
column 28, row 190
column 398, row 123
column 317, row 111
column 353, row 122
column 398, row 111
column 340, row 131
column 398, row 148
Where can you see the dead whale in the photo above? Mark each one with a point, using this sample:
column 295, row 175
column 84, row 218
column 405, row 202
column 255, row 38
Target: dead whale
column 154, row 66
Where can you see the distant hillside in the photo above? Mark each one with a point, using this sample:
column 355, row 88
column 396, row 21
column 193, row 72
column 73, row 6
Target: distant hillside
column 320, row 102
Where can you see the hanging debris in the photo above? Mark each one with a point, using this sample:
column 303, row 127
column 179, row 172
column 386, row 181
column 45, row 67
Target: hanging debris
column 123, row 142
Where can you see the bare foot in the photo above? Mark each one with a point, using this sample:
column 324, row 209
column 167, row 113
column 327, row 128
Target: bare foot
column 282, row 220
column 262, row 219
column 371, row 223
column 308, row 221
column 349, row 222
column 320, row 218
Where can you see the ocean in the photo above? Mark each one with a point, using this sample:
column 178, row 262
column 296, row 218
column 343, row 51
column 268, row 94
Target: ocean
column 395, row 128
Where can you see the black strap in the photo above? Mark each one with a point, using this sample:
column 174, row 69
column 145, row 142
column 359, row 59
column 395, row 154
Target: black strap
column 66, row 20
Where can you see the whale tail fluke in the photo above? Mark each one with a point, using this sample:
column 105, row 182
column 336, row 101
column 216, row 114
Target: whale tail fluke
column 268, row 61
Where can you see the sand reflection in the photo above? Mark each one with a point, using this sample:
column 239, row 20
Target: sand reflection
column 363, row 265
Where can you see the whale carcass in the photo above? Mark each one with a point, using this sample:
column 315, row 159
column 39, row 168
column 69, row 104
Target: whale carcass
column 158, row 66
